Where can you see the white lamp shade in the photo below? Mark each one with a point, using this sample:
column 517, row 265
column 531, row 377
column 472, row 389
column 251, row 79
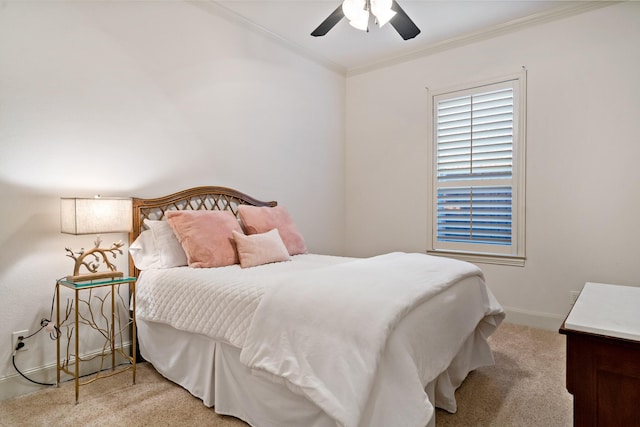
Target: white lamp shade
column 95, row 215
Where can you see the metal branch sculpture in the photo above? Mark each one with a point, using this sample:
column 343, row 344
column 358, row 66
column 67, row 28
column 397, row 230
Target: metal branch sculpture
column 92, row 259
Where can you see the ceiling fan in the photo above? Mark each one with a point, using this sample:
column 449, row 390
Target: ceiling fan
column 360, row 12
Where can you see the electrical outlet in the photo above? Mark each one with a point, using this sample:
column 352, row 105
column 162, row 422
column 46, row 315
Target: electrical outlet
column 573, row 296
column 15, row 339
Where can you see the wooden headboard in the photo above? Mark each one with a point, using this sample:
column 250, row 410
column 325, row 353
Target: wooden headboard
column 197, row 198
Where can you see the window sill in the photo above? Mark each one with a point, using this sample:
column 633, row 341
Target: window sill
column 512, row 261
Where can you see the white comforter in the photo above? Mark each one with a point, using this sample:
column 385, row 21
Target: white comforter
column 343, row 316
column 351, row 318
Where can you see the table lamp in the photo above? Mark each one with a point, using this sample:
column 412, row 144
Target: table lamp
column 94, row 216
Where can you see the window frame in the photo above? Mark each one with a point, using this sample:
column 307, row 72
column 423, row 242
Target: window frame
column 484, row 253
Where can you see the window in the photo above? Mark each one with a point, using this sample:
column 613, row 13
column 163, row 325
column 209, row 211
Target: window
column 477, row 188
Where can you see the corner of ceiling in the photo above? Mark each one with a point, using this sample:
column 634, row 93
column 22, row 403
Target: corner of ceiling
column 211, row 6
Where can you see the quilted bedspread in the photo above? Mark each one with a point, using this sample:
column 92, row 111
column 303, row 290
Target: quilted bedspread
column 216, row 302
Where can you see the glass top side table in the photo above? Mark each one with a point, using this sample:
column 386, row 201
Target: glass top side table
column 110, row 325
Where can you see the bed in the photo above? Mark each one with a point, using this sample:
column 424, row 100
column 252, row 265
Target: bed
column 310, row 340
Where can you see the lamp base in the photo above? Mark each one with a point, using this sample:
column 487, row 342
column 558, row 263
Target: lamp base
column 95, row 276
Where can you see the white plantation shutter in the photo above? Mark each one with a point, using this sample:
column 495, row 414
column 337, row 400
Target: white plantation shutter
column 475, row 136
column 475, row 215
column 475, row 145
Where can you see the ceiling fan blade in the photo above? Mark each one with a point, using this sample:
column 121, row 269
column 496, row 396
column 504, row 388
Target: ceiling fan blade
column 329, row 23
column 402, row 23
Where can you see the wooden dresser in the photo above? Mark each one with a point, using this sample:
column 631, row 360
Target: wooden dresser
column 603, row 356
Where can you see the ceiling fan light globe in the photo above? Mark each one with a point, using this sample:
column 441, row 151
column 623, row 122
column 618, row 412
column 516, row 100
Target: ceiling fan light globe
column 362, row 23
column 353, row 9
column 381, row 4
column 384, row 17
column 382, row 10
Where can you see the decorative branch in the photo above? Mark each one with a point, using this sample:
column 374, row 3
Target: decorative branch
column 97, row 253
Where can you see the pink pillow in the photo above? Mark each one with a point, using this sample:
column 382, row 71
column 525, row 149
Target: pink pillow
column 262, row 219
column 258, row 249
column 206, row 236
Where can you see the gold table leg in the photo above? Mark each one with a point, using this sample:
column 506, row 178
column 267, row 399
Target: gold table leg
column 77, row 355
column 59, row 337
column 134, row 333
column 113, row 327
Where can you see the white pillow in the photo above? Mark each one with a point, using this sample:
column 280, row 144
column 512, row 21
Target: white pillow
column 166, row 244
column 144, row 252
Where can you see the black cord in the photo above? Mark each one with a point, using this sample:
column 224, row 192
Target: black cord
column 13, row 359
column 54, row 335
column 45, row 321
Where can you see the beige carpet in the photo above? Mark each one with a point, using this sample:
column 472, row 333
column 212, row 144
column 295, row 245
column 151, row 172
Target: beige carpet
column 525, row 388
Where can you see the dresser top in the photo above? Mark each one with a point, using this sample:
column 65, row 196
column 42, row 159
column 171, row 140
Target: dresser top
column 610, row 310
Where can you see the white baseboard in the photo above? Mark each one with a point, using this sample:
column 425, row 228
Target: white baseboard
column 534, row 319
column 14, row 385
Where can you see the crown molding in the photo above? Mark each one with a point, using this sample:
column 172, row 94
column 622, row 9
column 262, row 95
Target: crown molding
column 560, row 12
column 564, row 11
column 211, row 6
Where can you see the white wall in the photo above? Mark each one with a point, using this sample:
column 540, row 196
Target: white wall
column 143, row 99
column 583, row 148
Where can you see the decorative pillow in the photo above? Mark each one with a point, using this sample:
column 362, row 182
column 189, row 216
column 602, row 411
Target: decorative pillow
column 258, row 249
column 144, row 253
column 167, row 245
column 262, row 219
column 206, row 236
